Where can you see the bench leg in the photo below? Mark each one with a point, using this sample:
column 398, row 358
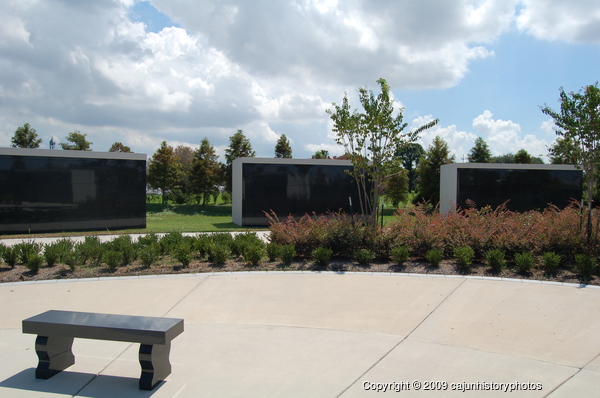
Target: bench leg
column 54, row 354
column 154, row 359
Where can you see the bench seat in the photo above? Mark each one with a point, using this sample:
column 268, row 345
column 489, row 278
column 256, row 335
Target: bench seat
column 57, row 329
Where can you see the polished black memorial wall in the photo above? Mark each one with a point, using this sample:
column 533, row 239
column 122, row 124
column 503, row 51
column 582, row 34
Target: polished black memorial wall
column 521, row 189
column 54, row 193
column 295, row 189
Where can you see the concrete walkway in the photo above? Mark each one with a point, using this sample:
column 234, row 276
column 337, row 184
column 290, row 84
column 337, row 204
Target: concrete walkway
column 319, row 335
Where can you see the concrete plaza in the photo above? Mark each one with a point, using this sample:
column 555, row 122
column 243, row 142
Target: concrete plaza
column 294, row 334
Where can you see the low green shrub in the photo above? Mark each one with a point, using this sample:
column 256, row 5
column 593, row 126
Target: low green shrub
column 183, row 254
column 64, row 247
column 34, row 262
column 112, row 259
column 550, row 261
column 524, row 262
column 27, row 250
column 464, row 256
column 287, row 254
column 254, row 253
column 585, row 266
column 241, row 241
column 170, row 242
column 11, row 256
column 364, row 256
column 434, row 256
column 495, row 259
column 2, row 249
column 218, row 253
column 149, row 254
column 322, row 255
column 201, row 244
column 52, row 254
column 273, row 250
column 400, row 254
column 73, row 259
column 148, row 239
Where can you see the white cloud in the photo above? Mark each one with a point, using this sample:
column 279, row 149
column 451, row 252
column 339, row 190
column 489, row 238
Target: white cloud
column 459, row 142
column 504, row 136
column 269, row 68
column 570, row 21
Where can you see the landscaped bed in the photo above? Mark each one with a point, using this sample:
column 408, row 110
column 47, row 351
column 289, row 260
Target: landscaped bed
column 550, row 245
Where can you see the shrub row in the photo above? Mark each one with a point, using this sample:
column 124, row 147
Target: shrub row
column 486, row 235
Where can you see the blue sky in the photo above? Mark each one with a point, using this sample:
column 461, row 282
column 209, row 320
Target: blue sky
column 141, row 72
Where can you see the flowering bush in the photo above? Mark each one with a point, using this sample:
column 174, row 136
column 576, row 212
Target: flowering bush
column 552, row 230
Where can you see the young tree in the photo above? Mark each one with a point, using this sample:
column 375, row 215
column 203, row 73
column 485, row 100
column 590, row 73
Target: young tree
column 480, row 153
column 163, row 170
column 239, row 147
column 371, row 139
column 411, row 154
column 185, row 159
column 119, row 147
column 321, row 154
column 283, row 148
column 206, row 170
column 579, row 122
column 428, row 171
column 25, row 137
column 561, row 152
column 79, row 143
column 523, row 157
column 396, row 186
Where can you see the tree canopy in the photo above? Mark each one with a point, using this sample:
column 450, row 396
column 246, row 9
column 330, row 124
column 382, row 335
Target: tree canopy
column 163, row 170
column 25, row 137
column 321, row 154
column 119, row 147
column 283, row 148
column 411, row 154
column 239, row 147
column 578, row 122
column 206, row 171
column 480, row 153
column 78, row 142
column 428, row 171
column 371, row 139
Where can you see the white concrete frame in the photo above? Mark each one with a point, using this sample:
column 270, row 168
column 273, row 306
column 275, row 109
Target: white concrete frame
column 449, row 177
column 237, row 186
column 61, row 153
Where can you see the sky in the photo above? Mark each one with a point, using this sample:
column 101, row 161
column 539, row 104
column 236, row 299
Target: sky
column 140, row 72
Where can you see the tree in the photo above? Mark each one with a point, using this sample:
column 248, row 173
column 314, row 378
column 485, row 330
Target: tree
column 239, row 147
column 79, row 143
column 480, row 153
column 25, row 137
column 561, row 152
column 163, row 171
column 428, row 171
column 184, row 156
column 118, row 147
column 396, row 186
column 579, row 122
column 206, row 170
column 371, row 139
column 523, row 157
column 283, row 148
column 506, row 158
column 321, row 154
column 411, row 154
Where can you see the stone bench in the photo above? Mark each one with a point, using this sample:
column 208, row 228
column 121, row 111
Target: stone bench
column 56, row 330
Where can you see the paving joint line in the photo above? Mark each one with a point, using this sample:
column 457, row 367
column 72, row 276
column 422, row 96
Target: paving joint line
column 402, row 340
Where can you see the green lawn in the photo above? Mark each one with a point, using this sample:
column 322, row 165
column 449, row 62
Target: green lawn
column 189, row 218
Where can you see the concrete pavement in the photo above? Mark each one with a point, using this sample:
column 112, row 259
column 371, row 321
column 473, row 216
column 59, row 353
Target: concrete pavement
column 294, row 334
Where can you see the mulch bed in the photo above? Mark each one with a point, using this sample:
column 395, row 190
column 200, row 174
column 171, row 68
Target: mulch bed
column 170, row 266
